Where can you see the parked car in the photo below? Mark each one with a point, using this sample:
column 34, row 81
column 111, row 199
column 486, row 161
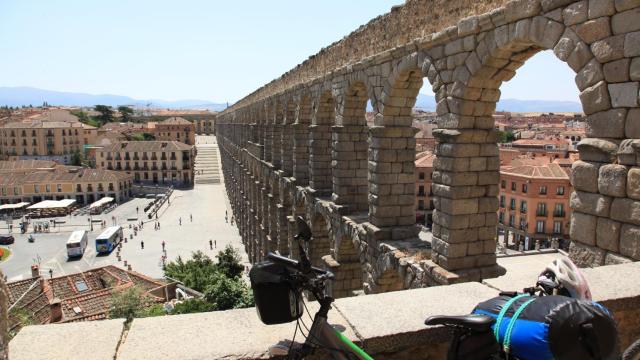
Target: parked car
column 6, row 240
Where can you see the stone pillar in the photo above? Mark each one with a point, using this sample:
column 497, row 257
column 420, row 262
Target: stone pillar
column 391, row 176
column 350, row 167
column 4, row 319
column 268, row 142
column 276, row 149
column 301, row 153
column 465, row 185
column 320, row 159
column 286, row 148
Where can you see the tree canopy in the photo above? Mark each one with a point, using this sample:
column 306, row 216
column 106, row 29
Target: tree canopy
column 126, row 113
column 106, row 114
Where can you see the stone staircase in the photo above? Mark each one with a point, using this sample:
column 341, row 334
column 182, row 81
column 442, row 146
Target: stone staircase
column 207, row 164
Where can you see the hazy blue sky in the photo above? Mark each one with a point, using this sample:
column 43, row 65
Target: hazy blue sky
column 196, row 49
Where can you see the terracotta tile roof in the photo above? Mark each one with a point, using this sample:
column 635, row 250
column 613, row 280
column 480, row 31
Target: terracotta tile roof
column 83, row 296
column 147, row 146
column 425, row 160
column 546, row 171
column 540, row 142
column 22, row 165
column 175, row 120
column 43, row 125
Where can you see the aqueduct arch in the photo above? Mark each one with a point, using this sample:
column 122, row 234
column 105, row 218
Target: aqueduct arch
column 317, row 111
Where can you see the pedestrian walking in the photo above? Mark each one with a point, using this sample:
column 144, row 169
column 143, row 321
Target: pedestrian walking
column 163, row 245
column 226, row 219
column 180, row 221
column 158, row 225
column 156, row 216
column 142, row 244
column 137, row 209
column 191, row 217
column 51, row 273
column 215, row 243
column 210, row 244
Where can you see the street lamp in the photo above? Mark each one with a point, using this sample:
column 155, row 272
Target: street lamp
column 90, row 222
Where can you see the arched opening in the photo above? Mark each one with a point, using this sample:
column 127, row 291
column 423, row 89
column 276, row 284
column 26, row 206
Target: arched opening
column 320, row 145
column 287, row 137
column 345, row 264
column 276, row 133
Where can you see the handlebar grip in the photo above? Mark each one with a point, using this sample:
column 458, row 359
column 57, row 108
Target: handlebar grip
column 293, row 264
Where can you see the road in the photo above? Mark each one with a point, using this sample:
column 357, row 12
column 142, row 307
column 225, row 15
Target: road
column 206, row 203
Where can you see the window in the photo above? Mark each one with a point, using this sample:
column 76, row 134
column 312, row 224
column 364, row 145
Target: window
column 420, row 204
column 543, row 190
column 523, row 223
column 540, row 227
column 78, row 188
column 501, row 217
column 502, row 201
column 542, row 209
column 503, row 184
column 560, row 190
column 513, row 186
column 557, row 227
column 59, row 187
column 421, row 176
column 421, row 190
column 525, row 188
column 36, row 188
column 512, row 204
column 559, row 210
column 523, row 206
column 512, row 220
column 47, row 188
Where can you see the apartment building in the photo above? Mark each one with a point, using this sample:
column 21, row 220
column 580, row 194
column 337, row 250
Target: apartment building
column 21, row 181
column 44, row 140
column 205, row 125
column 150, row 162
column 534, row 203
column 424, row 202
column 176, row 129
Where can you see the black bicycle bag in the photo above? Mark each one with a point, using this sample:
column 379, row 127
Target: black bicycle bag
column 551, row 327
column 277, row 301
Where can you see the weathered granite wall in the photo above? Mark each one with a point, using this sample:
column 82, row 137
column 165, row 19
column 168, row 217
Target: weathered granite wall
column 388, row 326
column 466, row 62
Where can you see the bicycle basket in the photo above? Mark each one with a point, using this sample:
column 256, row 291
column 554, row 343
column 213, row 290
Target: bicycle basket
column 277, row 301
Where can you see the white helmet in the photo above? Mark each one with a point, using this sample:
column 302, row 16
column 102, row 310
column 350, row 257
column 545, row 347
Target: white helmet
column 566, row 276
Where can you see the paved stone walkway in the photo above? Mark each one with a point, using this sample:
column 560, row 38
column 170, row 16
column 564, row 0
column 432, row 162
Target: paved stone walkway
column 207, row 164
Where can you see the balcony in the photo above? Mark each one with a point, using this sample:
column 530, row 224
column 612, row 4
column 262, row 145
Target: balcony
column 559, row 214
column 541, row 213
column 186, row 167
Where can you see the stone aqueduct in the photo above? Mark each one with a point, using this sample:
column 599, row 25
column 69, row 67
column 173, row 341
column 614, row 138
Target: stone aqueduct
column 300, row 145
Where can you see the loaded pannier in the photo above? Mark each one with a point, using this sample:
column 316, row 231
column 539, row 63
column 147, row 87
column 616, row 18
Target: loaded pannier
column 551, row 327
column 277, row 300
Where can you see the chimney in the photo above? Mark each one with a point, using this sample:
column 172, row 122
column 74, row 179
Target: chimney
column 35, row 271
column 56, row 310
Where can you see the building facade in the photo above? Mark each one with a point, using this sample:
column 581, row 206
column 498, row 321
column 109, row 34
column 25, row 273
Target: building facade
column 46, row 140
column 150, row 162
column 62, row 182
column 424, row 201
column 533, row 204
column 176, row 129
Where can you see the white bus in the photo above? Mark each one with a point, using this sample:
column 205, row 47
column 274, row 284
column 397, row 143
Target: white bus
column 109, row 239
column 77, row 243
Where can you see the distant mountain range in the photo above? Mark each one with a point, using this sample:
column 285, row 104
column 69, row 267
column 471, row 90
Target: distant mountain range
column 428, row 103
column 18, row 96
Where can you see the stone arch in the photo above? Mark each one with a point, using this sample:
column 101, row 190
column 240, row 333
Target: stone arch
column 289, row 119
column 345, row 264
column 349, row 149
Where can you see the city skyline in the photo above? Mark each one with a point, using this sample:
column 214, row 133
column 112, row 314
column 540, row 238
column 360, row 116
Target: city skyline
column 196, row 51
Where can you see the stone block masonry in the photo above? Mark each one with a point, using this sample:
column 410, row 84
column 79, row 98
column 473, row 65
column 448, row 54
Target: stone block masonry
column 356, row 180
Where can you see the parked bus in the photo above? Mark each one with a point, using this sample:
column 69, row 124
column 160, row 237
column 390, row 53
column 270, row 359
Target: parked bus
column 77, row 243
column 109, row 239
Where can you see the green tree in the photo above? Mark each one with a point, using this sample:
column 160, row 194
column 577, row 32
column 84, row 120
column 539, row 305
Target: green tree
column 506, row 136
column 106, row 114
column 193, row 306
column 128, row 303
column 77, row 158
column 228, row 293
column 126, row 113
column 229, row 262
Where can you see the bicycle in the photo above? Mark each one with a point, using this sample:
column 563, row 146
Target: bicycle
column 296, row 277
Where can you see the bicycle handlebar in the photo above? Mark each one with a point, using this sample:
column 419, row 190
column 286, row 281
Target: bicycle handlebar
column 295, row 265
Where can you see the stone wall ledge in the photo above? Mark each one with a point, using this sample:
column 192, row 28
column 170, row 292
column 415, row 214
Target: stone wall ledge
column 389, row 325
